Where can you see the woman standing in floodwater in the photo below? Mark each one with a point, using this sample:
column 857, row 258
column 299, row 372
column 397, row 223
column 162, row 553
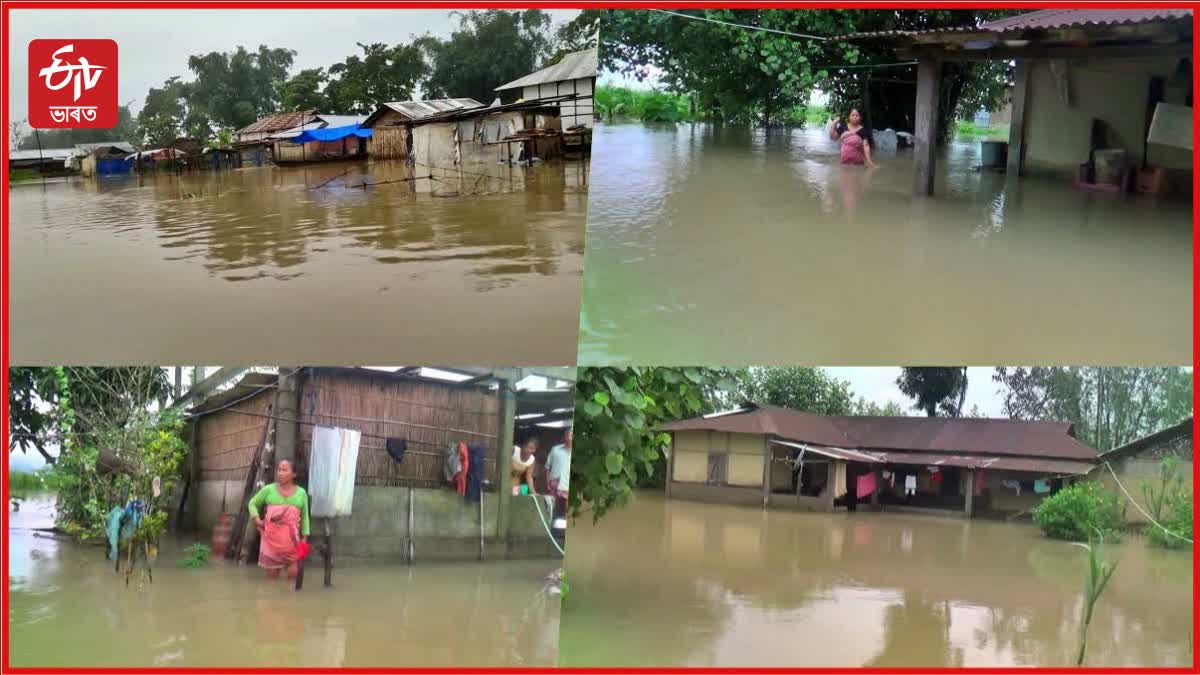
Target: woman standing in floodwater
column 286, row 521
column 854, row 138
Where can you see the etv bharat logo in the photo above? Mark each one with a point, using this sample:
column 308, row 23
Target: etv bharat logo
column 73, row 84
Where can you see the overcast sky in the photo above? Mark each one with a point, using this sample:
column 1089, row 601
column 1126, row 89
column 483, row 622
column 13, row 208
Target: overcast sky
column 154, row 44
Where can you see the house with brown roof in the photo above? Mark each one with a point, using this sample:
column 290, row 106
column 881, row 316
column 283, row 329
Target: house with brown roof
column 1140, row 461
column 781, row 458
column 1101, row 96
column 254, row 141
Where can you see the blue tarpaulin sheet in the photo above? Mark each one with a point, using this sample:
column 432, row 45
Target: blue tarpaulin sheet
column 332, row 134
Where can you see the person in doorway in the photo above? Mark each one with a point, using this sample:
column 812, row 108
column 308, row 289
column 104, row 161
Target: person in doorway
column 284, row 524
column 522, row 465
column 558, row 471
column 854, row 138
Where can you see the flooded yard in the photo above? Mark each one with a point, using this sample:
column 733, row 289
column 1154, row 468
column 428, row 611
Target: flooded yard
column 261, row 264
column 711, row 245
column 685, row 584
column 69, row 609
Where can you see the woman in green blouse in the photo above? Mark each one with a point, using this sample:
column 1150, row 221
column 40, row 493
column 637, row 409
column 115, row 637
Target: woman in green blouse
column 285, row 523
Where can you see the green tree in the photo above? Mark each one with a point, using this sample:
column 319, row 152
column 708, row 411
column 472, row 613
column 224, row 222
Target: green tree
column 233, row 89
column 164, row 113
column 752, row 76
column 935, row 390
column 800, row 388
column 1108, row 407
column 489, row 48
column 31, row 392
column 304, row 91
column 865, row 408
column 617, row 414
column 381, row 74
column 576, row 35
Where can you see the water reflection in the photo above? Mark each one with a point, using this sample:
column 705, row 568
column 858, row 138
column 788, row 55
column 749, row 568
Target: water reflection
column 684, row 584
column 695, row 229
column 309, row 252
column 387, row 615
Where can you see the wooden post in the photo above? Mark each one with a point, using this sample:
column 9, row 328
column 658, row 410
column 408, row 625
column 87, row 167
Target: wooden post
column 328, row 554
column 929, row 72
column 970, row 490
column 1016, row 128
column 411, row 502
column 287, row 426
column 829, row 496
column 504, row 442
column 670, row 464
column 481, row 523
column 878, row 486
column 766, row 481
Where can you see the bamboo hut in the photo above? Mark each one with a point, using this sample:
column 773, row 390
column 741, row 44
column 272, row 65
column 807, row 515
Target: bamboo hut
column 392, row 124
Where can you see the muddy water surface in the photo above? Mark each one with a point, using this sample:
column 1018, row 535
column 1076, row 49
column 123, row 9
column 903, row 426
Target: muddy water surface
column 257, row 264
column 734, row 245
column 68, row 608
column 685, row 584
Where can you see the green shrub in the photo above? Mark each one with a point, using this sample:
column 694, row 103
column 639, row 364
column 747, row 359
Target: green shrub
column 196, row 556
column 1078, row 511
column 1170, row 503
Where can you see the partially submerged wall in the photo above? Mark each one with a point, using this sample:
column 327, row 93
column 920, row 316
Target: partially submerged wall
column 1064, row 97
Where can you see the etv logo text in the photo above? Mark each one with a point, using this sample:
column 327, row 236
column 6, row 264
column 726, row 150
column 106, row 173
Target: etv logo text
column 73, row 84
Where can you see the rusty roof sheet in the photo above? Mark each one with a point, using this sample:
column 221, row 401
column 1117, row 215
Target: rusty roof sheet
column 1046, row 19
column 969, row 436
column 246, row 388
column 278, row 122
column 1026, row 464
column 415, row 110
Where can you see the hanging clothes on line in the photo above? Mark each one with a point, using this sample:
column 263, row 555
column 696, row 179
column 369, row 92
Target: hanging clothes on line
column 1012, row 485
column 1041, row 486
column 978, row 482
column 910, row 485
column 865, row 485
column 474, row 479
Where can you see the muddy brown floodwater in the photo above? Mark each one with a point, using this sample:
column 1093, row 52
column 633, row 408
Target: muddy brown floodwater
column 736, row 245
column 253, row 265
column 685, row 584
column 68, row 608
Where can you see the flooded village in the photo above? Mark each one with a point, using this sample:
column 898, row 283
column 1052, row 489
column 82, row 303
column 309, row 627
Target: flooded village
column 335, row 195
column 741, row 210
column 420, row 551
column 860, row 532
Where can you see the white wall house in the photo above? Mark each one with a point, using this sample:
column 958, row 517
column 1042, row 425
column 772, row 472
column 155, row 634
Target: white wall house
column 574, row 75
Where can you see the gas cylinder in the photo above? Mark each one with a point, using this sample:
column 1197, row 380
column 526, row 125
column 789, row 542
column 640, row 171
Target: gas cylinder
column 220, row 535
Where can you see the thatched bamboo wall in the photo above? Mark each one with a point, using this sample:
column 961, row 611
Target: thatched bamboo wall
column 389, row 138
column 429, row 415
column 226, row 439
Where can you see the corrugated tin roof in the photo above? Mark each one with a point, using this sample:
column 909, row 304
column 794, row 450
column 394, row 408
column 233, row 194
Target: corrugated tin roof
column 970, row 436
column 573, row 66
column 1027, row 464
column 1181, row 430
column 249, row 386
column 1046, row 19
column 48, row 153
column 89, row 148
column 415, row 110
column 278, row 122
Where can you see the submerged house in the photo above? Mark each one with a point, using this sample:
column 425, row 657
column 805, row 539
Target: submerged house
column 570, row 83
column 391, row 124
column 48, row 161
column 100, row 159
column 512, row 133
column 254, row 143
column 781, row 458
column 1142, row 460
column 403, row 509
column 323, row 138
column 1090, row 85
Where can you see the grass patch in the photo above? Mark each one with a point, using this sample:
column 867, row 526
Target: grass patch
column 966, row 129
column 23, row 175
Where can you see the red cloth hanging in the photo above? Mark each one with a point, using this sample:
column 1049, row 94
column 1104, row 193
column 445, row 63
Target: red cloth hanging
column 460, row 478
column 866, row 484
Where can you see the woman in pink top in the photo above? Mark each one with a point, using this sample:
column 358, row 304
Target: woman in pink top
column 854, row 138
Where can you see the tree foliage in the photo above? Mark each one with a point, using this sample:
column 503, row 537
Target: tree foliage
column 617, row 414
column 126, row 130
column 382, row 73
column 935, row 390
column 1108, row 406
column 749, row 76
column 305, row 91
column 233, row 89
column 800, row 388
column 490, row 48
